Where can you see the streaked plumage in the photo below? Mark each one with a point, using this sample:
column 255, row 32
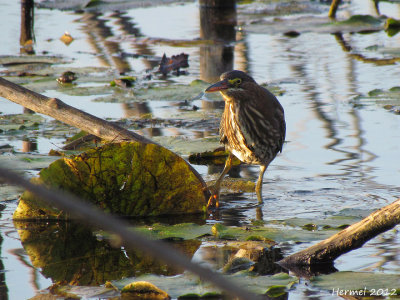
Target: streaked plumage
column 253, row 124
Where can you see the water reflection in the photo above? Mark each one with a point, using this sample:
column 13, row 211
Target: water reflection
column 27, row 36
column 136, row 110
column 129, row 28
column 98, row 33
column 3, row 285
column 71, row 253
column 350, row 158
column 217, row 24
column 346, row 47
column 29, row 145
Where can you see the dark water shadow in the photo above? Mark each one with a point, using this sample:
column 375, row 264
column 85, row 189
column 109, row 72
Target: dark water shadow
column 27, row 34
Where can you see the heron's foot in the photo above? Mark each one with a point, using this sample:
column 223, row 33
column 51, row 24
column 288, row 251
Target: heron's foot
column 214, row 198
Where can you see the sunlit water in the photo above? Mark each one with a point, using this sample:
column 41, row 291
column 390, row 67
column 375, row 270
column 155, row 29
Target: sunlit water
column 337, row 156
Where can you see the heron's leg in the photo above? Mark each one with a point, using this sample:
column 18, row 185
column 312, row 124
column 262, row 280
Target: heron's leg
column 216, row 187
column 260, row 182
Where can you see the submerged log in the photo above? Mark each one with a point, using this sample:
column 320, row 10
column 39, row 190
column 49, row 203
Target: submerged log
column 353, row 237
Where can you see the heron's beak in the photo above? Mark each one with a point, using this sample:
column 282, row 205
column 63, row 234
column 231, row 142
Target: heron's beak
column 220, row 85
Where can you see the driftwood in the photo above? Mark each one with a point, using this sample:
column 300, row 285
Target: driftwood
column 353, row 237
column 57, row 109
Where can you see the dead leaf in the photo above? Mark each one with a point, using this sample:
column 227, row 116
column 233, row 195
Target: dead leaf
column 175, row 62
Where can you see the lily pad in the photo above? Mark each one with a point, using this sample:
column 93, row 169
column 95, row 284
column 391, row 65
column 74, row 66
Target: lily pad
column 161, row 91
column 186, row 284
column 9, row 192
column 76, row 90
column 267, row 233
column 363, row 282
column 19, row 162
column 90, row 79
column 184, row 231
column 360, row 20
column 129, row 179
column 332, row 222
column 20, row 121
column 30, row 59
column 388, row 99
column 316, row 23
column 81, row 292
column 184, row 146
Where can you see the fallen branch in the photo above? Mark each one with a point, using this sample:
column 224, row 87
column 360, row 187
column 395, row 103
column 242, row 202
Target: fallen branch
column 57, row 109
column 353, row 237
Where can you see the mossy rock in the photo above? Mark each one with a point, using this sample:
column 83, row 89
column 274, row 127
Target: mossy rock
column 128, row 179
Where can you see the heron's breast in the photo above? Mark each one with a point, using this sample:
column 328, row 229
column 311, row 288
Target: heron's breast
column 240, row 142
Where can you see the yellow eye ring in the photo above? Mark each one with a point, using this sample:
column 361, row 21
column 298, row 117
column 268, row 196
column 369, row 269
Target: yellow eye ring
column 236, row 81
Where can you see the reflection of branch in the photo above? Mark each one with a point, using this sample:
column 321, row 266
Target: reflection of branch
column 98, row 33
column 383, row 256
column 130, row 28
column 347, row 48
column 332, row 128
column 329, row 124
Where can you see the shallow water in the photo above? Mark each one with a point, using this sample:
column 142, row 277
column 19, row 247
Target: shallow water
column 338, row 157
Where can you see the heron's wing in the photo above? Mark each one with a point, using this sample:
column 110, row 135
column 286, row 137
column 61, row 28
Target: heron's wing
column 269, row 118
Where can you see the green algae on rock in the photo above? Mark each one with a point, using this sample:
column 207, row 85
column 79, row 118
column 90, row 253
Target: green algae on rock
column 129, row 179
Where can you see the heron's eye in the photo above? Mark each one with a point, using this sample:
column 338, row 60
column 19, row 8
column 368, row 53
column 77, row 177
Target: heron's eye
column 236, row 82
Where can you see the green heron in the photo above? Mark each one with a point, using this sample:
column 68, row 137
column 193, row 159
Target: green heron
column 252, row 127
